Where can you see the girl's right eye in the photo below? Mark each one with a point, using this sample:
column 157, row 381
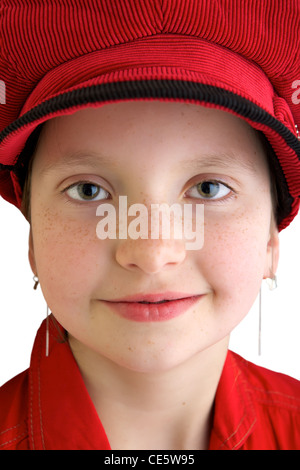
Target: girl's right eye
column 86, row 191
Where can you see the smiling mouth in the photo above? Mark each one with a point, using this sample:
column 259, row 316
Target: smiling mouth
column 138, row 310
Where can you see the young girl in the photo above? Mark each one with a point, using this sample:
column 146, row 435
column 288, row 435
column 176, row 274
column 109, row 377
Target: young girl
column 188, row 105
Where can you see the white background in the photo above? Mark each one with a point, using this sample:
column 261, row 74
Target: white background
column 22, row 309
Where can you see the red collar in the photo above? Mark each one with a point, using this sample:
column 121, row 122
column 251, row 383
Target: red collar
column 62, row 415
column 234, row 414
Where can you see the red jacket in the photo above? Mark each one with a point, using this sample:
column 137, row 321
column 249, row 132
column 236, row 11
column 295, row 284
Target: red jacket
column 48, row 406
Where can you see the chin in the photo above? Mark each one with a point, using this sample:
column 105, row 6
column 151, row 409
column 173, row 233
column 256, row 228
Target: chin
column 155, row 361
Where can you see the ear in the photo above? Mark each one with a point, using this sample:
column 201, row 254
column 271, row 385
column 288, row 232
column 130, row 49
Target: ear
column 272, row 257
column 31, row 254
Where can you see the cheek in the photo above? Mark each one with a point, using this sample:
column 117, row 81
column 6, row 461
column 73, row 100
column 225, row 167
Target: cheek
column 69, row 258
column 232, row 260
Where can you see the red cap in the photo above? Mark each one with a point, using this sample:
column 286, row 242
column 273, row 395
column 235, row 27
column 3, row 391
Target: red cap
column 242, row 57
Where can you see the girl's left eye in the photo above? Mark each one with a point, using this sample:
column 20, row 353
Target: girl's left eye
column 86, row 192
column 209, row 190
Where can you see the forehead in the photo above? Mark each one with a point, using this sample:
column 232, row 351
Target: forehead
column 139, row 130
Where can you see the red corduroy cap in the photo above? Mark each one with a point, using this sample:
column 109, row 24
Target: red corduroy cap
column 59, row 56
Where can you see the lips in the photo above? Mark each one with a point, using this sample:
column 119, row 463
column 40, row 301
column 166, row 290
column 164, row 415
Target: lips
column 153, row 307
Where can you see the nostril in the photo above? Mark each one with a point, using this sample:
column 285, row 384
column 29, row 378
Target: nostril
column 132, row 266
column 150, row 256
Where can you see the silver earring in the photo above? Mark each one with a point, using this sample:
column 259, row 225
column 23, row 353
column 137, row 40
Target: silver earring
column 272, row 280
column 259, row 323
column 47, row 332
column 36, row 282
column 272, row 283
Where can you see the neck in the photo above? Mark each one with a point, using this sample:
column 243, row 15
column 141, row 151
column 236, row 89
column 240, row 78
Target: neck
column 176, row 404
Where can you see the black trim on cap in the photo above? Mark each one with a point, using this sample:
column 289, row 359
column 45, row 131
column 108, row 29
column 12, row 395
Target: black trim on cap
column 157, row 89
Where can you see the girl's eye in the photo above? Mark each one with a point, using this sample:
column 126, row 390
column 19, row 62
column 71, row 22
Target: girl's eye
column 210, row 190
column 86, row 192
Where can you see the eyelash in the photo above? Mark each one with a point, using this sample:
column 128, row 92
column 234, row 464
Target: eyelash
column 87, row 183
column 221, row 186
column 100, row 188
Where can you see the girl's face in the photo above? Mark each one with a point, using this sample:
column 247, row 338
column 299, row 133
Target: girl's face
column 151, row 152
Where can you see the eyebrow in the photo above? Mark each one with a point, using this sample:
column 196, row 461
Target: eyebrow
column 207, row 161
column 219, row 160
column 80, row 158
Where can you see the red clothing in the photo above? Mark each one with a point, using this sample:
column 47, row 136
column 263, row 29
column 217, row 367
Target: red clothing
column 48, row 406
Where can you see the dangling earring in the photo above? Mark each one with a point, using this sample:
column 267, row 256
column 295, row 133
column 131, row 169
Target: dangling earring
column 36, row 282
column 272, row 283
column 47, row 332
column 272, row 280
column 259, row 323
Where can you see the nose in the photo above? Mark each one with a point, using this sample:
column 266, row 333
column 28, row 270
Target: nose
column 150, row 256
